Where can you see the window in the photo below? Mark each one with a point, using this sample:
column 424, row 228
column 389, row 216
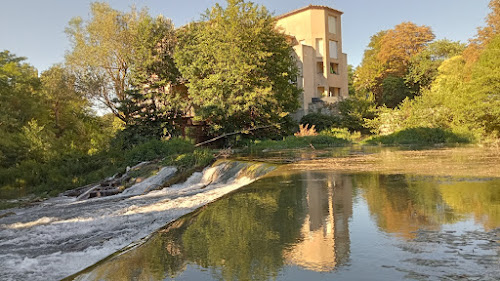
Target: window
column 333, row 49
column 321, row 92
column 332, row 24
column 320, row 67
column 334, row 68
column 319, row 47
column 334, row 92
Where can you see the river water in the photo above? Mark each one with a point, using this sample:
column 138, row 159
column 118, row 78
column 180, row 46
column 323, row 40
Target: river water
column 427, row 216
column 320, row 225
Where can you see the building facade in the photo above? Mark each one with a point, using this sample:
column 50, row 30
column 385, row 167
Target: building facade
column 316, row 33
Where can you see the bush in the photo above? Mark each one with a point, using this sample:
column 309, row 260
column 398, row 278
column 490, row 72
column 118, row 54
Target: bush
column 197, row 159
column 320, row 121
column 341, row 133
column 420, row 136
column 156, row 149
column 319, row 141
column 305, row 130
column 76, row 169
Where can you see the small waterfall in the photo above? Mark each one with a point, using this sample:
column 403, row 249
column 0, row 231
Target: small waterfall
column 151, row 183
column 61, row 237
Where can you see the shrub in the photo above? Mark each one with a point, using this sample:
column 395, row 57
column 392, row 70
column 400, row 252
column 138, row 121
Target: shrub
column 157, row 149
column 304, row 130
column 420, row 136
column 341, row 133
column 197, row 159
column 320, row 121
column 319, row 141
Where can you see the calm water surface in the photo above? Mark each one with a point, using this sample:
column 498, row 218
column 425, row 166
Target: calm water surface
column 320, row 225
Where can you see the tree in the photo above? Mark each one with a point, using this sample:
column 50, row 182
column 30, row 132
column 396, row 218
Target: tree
column 484, row 89
column 389, row 56
column 114, row 51
column 20, row 102
column 400, row 44
column 239, row 68
column 423, row 68
column 370, row 74
column 395, row 91
column 71, row 126
column 156, row 102
column 484, row 34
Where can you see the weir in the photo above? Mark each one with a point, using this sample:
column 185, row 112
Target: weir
column 63, row 235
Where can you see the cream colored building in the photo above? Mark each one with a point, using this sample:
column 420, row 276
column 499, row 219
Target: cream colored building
column 317, row 39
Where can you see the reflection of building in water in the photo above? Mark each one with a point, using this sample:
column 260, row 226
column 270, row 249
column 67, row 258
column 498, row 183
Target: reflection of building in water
column 325, row 241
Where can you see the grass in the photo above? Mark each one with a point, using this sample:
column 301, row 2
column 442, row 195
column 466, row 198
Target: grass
column 419, row 136
column 291, row 142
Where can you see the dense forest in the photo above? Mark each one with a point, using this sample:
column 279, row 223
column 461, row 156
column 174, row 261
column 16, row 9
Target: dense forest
column 135, row 88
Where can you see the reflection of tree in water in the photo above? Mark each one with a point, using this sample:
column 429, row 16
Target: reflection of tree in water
column 299, row 219
column 243, row 236
column 325, row 242
column 403, row 204
column 158, row 257
column 479, row 198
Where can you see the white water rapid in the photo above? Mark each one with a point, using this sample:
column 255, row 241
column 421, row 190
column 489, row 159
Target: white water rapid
column 62, row 236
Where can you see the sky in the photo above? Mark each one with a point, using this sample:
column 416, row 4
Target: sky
column 35, row 28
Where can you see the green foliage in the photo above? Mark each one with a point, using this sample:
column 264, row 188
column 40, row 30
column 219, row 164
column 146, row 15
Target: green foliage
column 319, row 141
column 370, row 73
column 341, row 133
column 355, row 110
column 419, row 136
column 20, row 103
column 394, row 92
column 402, row 62
column 72, row 170
column 155, row 105
column 239, row 67
column 320, row 121
column 198, row 159
column 155, row 150
column 114, row 52
column 423, row 68
column 484, row 87
column 468, row 106
column 454, row 90
column 150, row 116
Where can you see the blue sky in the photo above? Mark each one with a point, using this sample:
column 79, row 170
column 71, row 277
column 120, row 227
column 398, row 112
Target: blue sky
column 35, row 28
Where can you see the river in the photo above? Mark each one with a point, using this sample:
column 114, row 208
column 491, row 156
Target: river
column 419, row 215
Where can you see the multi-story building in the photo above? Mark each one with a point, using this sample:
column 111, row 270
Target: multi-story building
column 317, row 37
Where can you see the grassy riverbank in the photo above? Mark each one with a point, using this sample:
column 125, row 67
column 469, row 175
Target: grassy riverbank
column 71, row 171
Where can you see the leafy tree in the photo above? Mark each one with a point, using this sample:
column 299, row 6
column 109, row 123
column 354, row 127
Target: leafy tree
column 355, row 110
column 239, row 68
column 156, row 102
column 423, row 68
column 320, row 121
column 484, row 34
column 370, row 74
column 400, row 44
column 113, row 51
column 350, row 80
column 484, row 89
column 388, row 58
column 20, row 102
column 394, row 91
column 72, row 124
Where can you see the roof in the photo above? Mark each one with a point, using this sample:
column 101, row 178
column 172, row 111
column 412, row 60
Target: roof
column 307, row 8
